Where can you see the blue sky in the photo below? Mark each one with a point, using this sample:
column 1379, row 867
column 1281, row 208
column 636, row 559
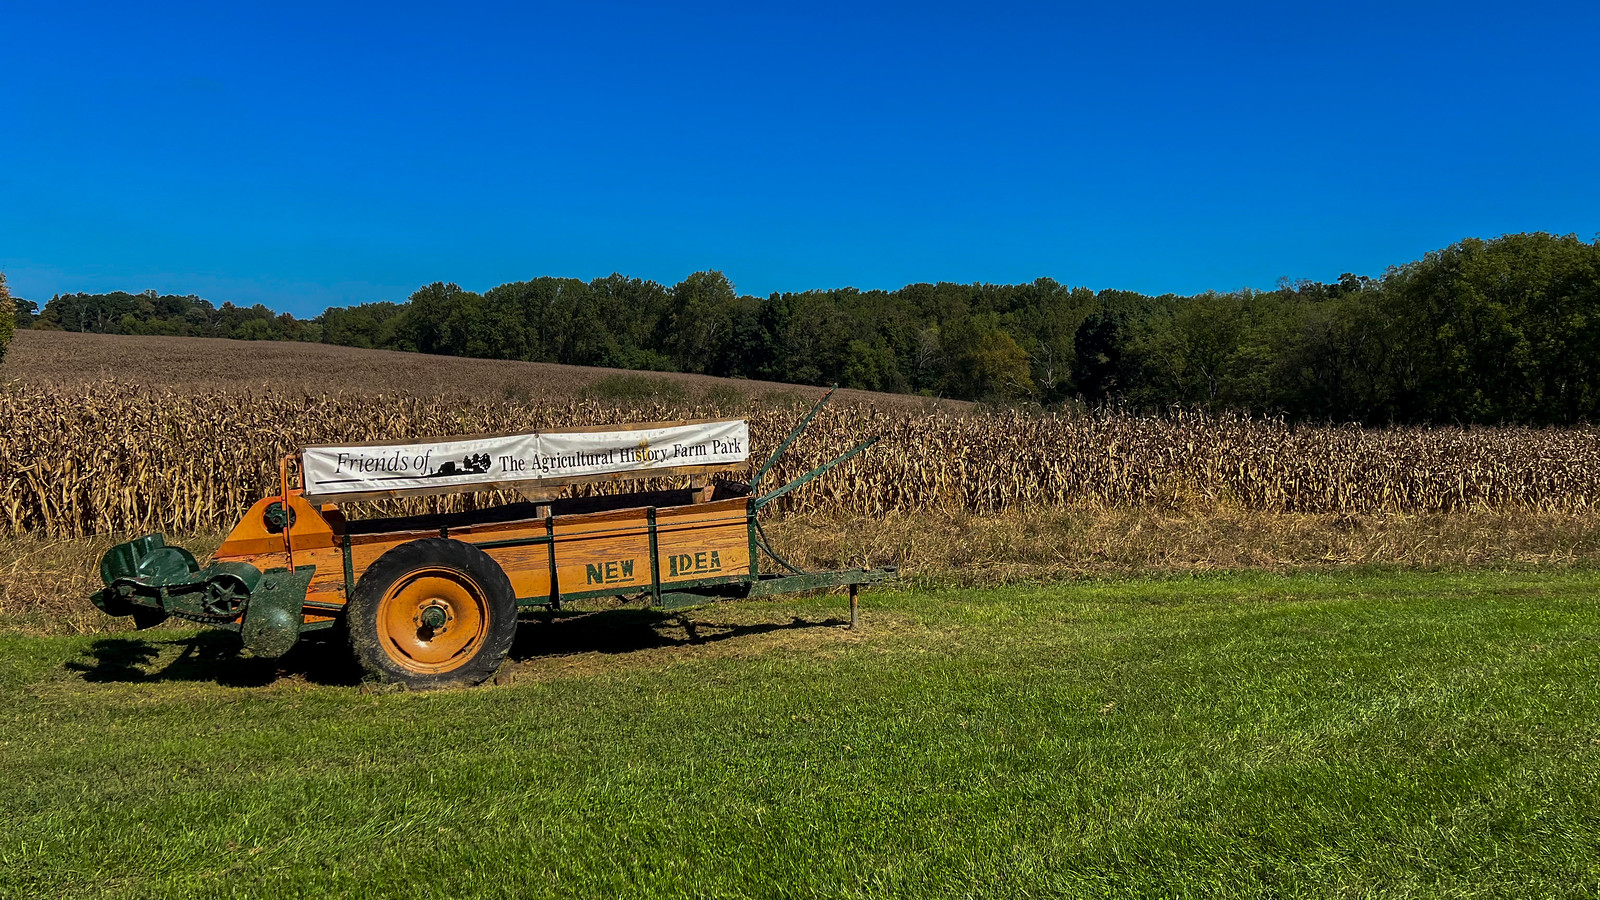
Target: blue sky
column 302, row 156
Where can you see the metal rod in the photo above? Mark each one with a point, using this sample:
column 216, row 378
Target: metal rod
column 855, row 608
column 288, row 511
column 750, row 525
column 550, row 545
column 765, row 543
column 655, row 558
column 778, row 453
column 349, row 571
column 819, row 470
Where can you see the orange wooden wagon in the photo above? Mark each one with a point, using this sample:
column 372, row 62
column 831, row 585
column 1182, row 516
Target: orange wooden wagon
column 433, row 600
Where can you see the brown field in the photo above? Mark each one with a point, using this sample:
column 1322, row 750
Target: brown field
column 84, row 457
column 110, row 457
column 185, row 434
column 60, row 358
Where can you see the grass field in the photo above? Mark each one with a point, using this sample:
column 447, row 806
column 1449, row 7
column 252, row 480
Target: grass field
column 1013, row 724
column 1377, row 733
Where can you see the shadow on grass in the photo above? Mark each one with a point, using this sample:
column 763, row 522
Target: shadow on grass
column 619, row 631
column 325, row 658
column 214, row 656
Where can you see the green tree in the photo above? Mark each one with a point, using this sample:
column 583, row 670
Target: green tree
column 1046, row 322
column 429, row 325
column 999, row 367
column 705, row 307
column 1499, row 330
column 1213, row 350
column 872, row 367
column 23, row 312
column 1103, row 369
column 367, row 325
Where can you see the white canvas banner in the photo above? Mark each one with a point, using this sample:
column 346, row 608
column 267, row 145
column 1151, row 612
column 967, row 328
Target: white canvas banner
column 563, row 454
column 359, row 469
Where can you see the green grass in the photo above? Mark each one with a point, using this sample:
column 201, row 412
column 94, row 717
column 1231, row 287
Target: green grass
column 1382, row 734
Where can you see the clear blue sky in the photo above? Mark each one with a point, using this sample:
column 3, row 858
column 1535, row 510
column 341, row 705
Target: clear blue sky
column 331, row 154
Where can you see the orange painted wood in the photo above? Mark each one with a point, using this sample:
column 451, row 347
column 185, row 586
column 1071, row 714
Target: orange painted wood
column 594, row 552
column 527, row 567
column 603, row 551
column 706, row 540
column 251, row 538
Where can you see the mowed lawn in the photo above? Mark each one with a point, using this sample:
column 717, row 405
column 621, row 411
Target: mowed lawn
column 1380, row 734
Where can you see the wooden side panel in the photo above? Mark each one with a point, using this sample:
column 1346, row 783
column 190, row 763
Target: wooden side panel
column 708, row 540
column 607, row 551
column 366, row 548
column 528, row 567
column 327, row 585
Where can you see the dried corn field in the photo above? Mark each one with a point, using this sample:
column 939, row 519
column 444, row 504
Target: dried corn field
column 110, row 458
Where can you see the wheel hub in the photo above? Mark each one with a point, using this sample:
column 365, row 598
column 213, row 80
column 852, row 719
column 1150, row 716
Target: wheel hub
column 434, row 616
column 433, row 620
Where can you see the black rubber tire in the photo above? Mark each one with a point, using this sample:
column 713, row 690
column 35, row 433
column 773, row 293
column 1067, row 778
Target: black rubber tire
column 362, row 612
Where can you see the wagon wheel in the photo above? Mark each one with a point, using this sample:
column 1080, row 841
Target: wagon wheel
column 432, row 613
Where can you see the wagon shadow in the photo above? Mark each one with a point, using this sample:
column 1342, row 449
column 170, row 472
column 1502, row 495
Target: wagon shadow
column 323, row 658
column 621, row 631
column 211, row 656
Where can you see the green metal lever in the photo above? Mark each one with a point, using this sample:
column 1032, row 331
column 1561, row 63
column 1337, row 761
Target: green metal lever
column 819, row 470
column 778, row 453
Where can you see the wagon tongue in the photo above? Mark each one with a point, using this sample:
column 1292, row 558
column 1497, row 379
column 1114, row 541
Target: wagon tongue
column 147, row 579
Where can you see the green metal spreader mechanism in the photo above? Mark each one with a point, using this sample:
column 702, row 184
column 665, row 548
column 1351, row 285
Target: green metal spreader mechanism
column 148, row 580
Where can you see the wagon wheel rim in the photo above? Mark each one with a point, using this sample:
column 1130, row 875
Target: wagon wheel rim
column 433, row 620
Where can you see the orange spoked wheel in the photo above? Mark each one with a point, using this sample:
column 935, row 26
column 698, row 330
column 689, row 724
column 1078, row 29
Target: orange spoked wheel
column 432, row 613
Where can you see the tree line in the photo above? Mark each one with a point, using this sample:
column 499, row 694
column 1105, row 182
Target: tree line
column 1488, row 331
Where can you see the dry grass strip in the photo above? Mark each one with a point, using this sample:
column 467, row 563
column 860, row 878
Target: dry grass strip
column 44, row 582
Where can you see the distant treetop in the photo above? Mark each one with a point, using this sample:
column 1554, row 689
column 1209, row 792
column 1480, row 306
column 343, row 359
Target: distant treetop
column 1501, row 330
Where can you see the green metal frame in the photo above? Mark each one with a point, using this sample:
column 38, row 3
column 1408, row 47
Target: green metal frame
column 655, row 558
column 349, row 570
column 275, row 614
column 814, row 581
